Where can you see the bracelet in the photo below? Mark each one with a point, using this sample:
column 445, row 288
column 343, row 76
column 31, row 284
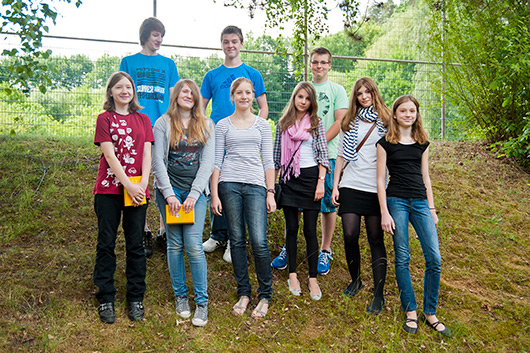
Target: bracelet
column 271, row 191
column 322, row 178
column 432, row 208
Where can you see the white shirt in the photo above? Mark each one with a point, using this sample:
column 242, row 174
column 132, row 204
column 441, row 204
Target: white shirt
column 361, row 174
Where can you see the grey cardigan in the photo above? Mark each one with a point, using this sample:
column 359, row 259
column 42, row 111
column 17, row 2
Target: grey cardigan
column 160, row 154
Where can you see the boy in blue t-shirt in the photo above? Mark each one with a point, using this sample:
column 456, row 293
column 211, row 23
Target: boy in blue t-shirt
column 216, row 87
column 154, row 76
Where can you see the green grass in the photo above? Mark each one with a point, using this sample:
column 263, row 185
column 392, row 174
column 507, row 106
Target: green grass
column 47, row 252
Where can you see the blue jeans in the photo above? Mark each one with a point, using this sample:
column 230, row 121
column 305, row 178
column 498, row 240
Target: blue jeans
column 246, row 203
column 417, row 212
column 218, row 226
column 188, row 236
column 325, row 204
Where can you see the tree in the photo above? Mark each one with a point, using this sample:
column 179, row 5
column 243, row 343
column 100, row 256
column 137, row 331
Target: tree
column 103, row 68
column 308, row 16
column 28, row 18
column 380, row 11
column 278, row 78
column 68, row 72
column 491, row 41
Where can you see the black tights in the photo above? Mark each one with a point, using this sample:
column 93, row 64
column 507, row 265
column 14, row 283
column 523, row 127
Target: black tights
column 310, row 234
column 351, row 224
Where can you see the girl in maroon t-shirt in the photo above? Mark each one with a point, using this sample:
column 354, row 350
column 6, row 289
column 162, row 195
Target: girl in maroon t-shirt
column 125, row 137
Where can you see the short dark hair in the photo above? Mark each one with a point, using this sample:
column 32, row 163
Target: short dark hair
column 149, row 25
column 320, row 51
column 232, row 30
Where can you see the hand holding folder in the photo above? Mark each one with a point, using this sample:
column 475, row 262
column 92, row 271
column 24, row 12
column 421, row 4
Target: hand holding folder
column 180, row 217
column 128, row 201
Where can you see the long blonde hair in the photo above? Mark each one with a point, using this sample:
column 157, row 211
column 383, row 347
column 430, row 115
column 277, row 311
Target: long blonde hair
column 418, row 133
column 198, row 130
column 289, row 112
column 379, row 104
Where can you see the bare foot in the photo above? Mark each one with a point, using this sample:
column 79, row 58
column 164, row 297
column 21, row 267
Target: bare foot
column 313, row 285
column 294, row 284
column 412, row 315
column 431, row 319
column 261, row 309
column 241, row 306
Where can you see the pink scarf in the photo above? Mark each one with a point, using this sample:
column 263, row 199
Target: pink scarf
column 292, row 138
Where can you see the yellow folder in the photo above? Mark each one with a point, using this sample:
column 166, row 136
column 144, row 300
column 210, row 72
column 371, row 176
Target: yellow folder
column 181, row 217
column 127, row 198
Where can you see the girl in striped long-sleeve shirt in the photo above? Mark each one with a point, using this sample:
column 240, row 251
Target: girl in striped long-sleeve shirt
column 242, row 187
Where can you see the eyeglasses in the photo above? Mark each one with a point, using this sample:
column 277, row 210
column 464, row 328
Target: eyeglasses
column 322, row 63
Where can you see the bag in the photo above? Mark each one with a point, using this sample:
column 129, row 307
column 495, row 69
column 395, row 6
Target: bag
column 277, row 194
column 278, row 185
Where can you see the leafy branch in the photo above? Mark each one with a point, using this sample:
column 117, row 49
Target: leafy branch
column 28, row 19
column 309, row 18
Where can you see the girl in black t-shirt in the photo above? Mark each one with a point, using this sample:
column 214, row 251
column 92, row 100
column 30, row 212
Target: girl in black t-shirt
column 404, row 150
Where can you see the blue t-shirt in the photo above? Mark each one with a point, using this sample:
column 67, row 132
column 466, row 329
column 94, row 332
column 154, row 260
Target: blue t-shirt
column 153, row 77
column 216, row 86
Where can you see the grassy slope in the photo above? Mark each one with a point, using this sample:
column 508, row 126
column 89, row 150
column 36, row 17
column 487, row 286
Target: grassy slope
column 48, row 244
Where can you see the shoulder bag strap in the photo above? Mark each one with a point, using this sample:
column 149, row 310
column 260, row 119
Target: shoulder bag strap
column 366, row 137
column 359, row 147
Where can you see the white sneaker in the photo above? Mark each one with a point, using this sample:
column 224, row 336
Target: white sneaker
column 211, row 245
column 227, row 256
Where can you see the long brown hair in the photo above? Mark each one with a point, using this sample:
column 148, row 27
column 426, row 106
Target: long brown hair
column 289, row 112
column 109, row 104
column 379, row 104
column 418, row 133
column 198, row 130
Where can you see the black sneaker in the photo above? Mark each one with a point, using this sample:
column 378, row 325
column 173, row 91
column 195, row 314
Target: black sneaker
column 161, row 239
column 148, row 242
column 106, row 313
column 136, row 311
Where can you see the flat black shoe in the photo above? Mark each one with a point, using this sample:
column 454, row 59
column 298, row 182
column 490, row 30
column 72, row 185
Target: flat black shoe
column 375, row 309
column 409, row 329
column 148, row 242
column 106, row 313
column 353, row 288
column 445, row 332
column 136, row 311
column 161, row 240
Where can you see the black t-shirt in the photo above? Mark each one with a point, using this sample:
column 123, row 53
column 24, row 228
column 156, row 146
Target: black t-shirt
column 404, row 167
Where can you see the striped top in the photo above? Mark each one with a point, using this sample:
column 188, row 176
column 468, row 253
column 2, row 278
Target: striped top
column 243, row 155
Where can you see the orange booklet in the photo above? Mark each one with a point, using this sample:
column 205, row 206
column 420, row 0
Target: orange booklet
column 181, row 217
column 126, row 197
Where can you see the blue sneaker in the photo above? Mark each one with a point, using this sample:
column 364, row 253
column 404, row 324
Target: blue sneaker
column 280, row 261
column 324, row 262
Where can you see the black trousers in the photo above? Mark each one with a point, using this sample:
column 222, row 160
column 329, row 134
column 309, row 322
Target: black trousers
column 108, row 209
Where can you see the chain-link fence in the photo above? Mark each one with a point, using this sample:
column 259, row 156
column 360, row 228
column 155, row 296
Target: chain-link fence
column 82, row 67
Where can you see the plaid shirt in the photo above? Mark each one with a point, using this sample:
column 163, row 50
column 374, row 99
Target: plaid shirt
column 320, row 147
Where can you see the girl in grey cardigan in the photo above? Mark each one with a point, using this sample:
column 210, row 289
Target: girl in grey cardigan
column 183, row 159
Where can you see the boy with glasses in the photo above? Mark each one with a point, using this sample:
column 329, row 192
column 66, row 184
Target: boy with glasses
column 332, row 106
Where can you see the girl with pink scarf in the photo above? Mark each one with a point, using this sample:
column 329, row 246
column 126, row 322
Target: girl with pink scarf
column 301, row 154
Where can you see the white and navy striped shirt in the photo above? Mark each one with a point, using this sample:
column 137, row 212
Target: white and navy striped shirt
column 243, row 155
